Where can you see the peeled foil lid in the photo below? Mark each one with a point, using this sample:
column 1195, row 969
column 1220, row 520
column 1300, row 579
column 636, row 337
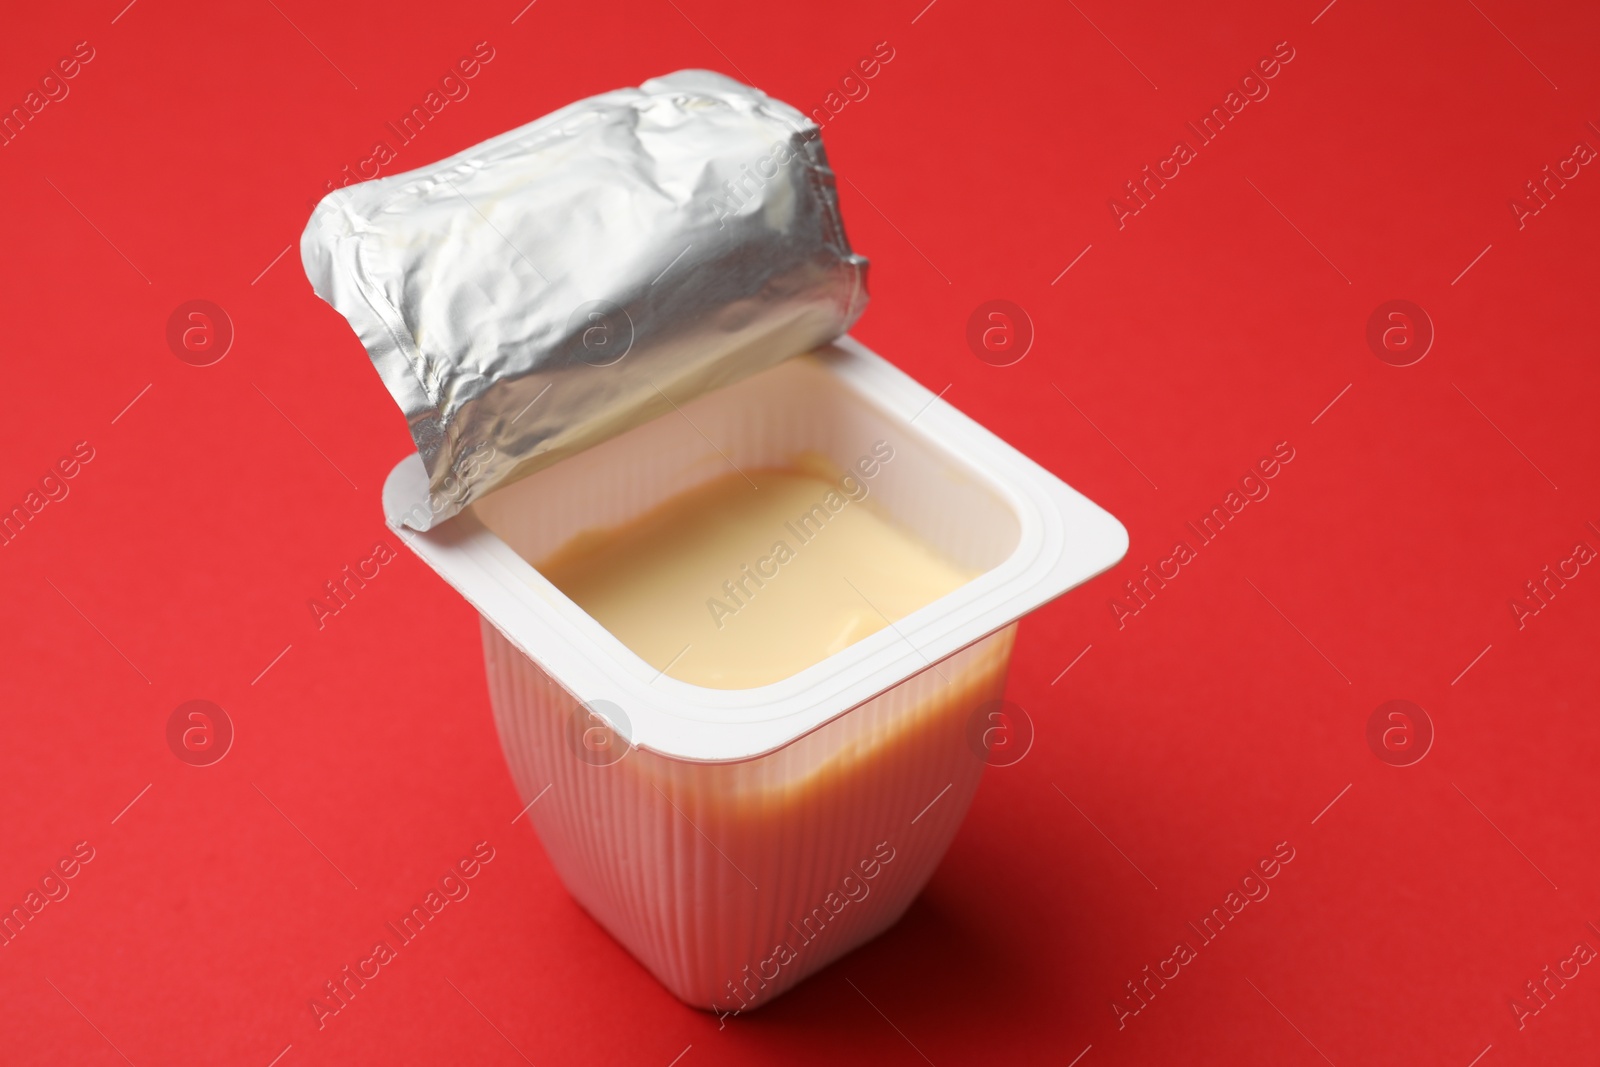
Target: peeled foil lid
column 582, row 274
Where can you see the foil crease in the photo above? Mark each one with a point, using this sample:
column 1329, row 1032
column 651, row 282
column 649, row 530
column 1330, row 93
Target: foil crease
column 577, row 276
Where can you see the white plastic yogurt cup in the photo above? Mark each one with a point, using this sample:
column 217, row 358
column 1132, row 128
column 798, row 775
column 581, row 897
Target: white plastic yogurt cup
column 740, row 840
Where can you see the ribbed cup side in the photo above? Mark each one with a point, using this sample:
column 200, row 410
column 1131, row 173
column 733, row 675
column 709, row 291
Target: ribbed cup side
column 731, row 882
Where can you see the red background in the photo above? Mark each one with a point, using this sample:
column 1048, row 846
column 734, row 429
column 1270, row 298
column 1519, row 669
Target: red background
column 1219, row 721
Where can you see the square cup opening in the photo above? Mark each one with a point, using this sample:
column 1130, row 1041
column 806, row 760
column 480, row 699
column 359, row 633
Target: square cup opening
column 799, row 416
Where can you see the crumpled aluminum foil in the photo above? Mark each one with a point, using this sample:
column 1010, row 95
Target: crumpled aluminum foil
column 580, row 275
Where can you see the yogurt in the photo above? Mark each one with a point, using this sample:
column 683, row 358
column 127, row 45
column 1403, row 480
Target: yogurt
column 742, row 781
column 753, row 576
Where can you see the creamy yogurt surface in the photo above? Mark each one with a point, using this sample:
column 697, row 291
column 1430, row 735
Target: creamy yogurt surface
column 751, row 577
